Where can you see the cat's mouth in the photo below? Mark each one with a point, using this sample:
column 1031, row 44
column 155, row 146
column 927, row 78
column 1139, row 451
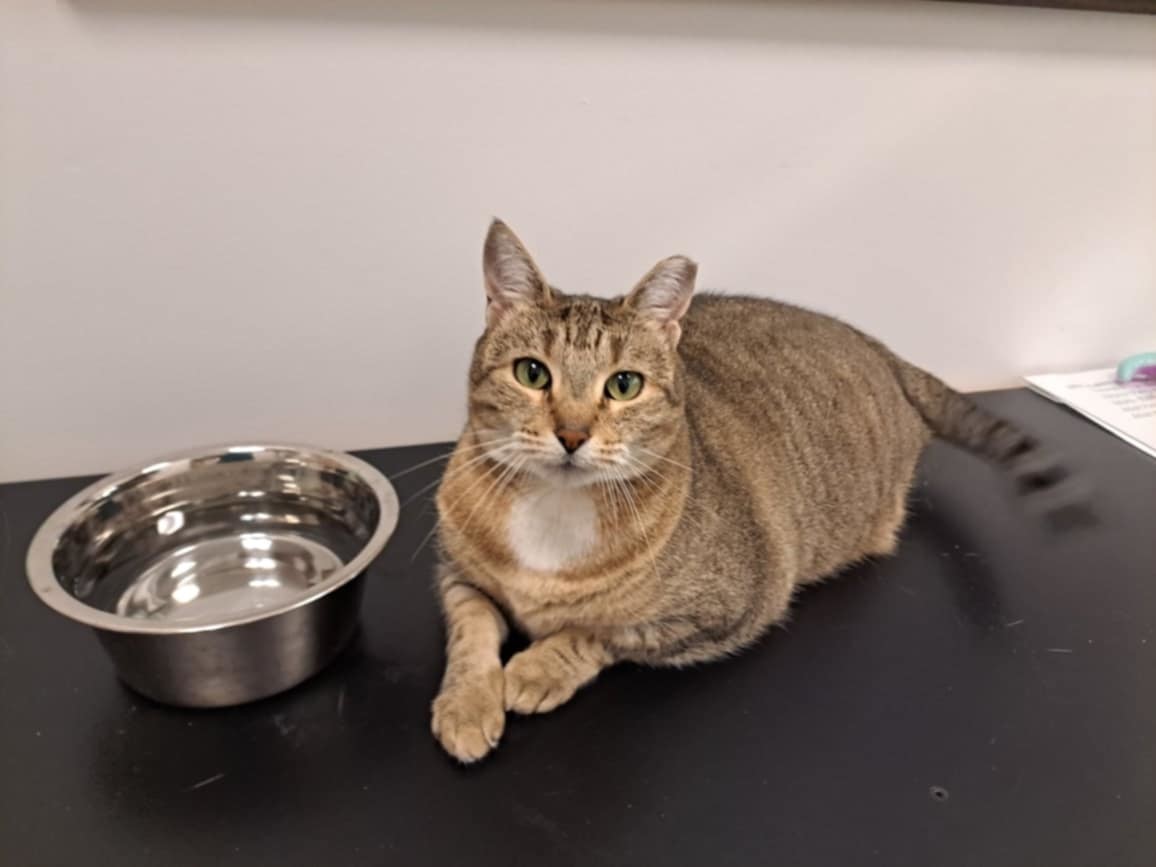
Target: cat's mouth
column 566, row 471
column 569, row 468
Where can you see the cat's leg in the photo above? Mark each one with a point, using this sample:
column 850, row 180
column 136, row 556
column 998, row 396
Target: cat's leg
column 469, row 714
column 884, row 538
column 549, row 671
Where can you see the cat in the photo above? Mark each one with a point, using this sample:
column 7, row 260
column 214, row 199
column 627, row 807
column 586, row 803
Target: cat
column 650, row 478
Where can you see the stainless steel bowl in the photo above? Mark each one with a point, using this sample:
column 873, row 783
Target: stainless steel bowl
column 218, row 576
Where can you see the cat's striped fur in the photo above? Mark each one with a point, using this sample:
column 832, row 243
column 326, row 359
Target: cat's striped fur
column 770, row 447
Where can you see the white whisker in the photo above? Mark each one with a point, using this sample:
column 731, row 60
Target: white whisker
column 604, row 479
column 441, row 457
column 476, row 459
column 644, row 471
column 507, row 476
column 661, row 457
column 473, row 485
column 653, row 485
column 629, row 497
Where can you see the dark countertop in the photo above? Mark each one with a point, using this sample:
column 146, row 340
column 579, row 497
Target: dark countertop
column 986, row 697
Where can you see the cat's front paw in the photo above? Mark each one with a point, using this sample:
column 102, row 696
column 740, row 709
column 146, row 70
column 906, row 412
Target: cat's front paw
column 538, row 682
column 469, row 716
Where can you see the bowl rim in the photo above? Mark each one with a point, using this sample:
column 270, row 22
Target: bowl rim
column 46, row 585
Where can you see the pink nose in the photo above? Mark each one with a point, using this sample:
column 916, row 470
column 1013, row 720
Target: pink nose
column 572, row 438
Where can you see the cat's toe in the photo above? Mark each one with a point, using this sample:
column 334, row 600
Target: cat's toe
column 533, row 687
column 468, row 721
column 467, row 738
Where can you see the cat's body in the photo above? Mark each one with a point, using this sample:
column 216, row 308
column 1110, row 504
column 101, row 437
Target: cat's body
column 769, row 447
column 777, row 495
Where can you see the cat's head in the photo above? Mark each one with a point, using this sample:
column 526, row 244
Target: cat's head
column 572, row 389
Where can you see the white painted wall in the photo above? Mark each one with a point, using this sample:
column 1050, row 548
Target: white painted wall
column 223, row 219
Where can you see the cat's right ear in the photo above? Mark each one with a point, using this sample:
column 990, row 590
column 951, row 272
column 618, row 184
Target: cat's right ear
column 512, row 278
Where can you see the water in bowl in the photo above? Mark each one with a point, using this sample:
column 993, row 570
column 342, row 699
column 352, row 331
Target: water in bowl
column 221, row 576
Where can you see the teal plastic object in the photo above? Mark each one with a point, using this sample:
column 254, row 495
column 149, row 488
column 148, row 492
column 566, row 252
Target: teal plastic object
column 1137, row 367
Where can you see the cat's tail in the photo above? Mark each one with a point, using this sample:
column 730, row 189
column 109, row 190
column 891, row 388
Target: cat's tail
column 1039, row 473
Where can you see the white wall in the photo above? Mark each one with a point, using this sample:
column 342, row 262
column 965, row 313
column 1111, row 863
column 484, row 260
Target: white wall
column 223, row 219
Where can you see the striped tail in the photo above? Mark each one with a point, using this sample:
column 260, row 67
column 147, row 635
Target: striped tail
column 1038, row 473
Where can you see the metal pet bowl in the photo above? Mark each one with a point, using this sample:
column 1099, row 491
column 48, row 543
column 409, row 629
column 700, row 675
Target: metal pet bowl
column 218, row 576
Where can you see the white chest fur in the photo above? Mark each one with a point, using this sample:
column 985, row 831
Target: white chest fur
column 552, row 528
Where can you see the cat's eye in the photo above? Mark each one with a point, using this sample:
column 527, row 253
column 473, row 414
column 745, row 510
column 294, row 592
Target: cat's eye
column 532, row 373
column 624, row 385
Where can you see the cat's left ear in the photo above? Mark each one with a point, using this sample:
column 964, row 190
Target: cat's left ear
column 663, row 295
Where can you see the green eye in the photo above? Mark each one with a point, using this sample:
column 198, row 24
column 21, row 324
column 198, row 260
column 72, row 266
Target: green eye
column 531, row 373
column 624, row 385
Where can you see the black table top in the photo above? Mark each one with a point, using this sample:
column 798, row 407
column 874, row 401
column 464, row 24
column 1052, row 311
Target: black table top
column 985, row 697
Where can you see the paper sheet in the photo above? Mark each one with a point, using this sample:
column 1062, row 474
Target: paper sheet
column 1126, row 409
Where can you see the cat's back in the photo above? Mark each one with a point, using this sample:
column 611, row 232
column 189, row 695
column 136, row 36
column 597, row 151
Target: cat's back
column 808, row 410
column 758, row 324
column 745, row 346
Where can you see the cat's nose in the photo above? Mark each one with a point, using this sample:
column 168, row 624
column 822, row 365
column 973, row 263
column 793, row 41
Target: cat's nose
column 572, row 438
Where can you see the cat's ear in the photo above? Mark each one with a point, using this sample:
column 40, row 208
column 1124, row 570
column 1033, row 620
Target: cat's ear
column 663, row 295
column 512, row 278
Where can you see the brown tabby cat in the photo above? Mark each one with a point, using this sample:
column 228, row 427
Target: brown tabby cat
column 650, row 478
